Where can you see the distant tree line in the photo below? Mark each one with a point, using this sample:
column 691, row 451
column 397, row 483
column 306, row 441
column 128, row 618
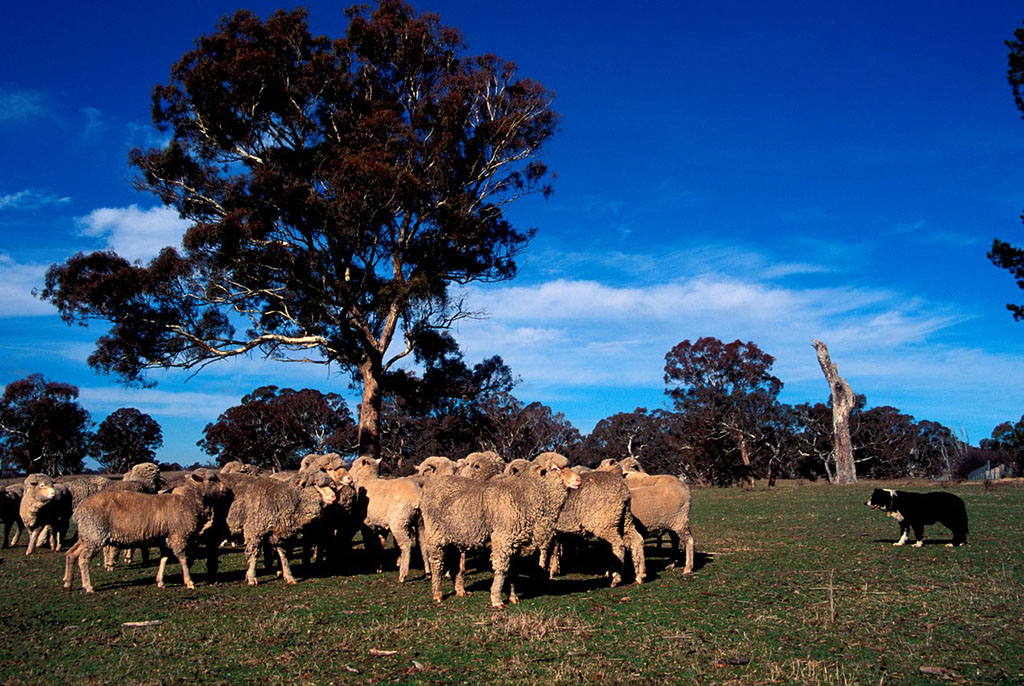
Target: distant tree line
column 43, row 428
column 725, row 424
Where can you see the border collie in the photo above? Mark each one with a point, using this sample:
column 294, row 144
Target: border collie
column 914, row 510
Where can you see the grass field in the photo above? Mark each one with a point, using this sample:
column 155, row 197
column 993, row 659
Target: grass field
column 794, row 585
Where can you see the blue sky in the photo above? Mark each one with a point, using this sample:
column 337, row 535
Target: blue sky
column 774, row 172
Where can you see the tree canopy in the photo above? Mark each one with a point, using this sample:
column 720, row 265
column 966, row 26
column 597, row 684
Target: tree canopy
column 125, row 438
column 275, row 428
column 728, row 396
column 336, row 190
column 43, row 428
column 1002, row 253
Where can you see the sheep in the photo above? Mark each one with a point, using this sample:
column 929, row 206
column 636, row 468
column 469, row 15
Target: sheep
column 391, row 505
column 83, row 486
column 271, row 512
column 143, row 477
column 512, row 513
column 516, row 467
column 44, row 503
column 600, row 507
column 126, row 519
column 660, row 502
column 239, row 467
column 435, row 465
column 329, row 463
column 10, row 501
column 482, row 466
column 332, row 532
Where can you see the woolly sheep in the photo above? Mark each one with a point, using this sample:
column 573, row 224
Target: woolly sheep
column 329, row 463
column 330, row 535
column 391, row 505
column 599, row 507
column 481, row 465
column 660, row 502
column 239, row 467
column 272, row 512
column 435, row 465
column 513, row 514
column 143, row 477
column 126, row 519
column 83, row 486
column 517, row 467
column 44, row 503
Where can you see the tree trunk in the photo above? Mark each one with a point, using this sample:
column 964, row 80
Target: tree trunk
column 369, row 409
column 843, row 400
column 748, row 469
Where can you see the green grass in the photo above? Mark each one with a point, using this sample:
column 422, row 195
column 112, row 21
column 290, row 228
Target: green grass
column 794, row 585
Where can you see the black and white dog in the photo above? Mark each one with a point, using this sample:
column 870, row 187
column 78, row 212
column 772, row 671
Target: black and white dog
column 914, row 510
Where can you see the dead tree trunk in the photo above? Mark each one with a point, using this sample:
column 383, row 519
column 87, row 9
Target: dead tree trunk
column 843, row 401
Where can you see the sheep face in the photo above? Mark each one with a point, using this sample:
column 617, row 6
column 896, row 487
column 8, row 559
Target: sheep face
column 364, row 467
column 323, row 485
column 207, row 483
column 611, row 466
column 552, row 459
column 436, row 465
column 481, row 465
column 631, row 464
column 42, row 488
column 569, row 478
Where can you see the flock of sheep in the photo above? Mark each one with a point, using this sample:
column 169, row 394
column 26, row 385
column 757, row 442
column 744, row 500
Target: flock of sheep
column 448, row 508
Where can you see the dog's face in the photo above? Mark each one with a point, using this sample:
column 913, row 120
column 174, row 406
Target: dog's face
column 881, row 498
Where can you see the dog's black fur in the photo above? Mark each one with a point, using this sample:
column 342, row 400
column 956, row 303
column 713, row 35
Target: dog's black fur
column 914, row 510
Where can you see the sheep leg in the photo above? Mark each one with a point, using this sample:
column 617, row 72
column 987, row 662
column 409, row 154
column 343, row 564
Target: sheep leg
column 268, row 560
column 635, row 545
column 185, row 576
column 554, row 558
column 404, row 543
column 179, row 549
column 286, row 570
column 109, row 553
column 511, row 580
column 689, row 551
column 673, row 538
column 436, row 556
column 33, row 538
column 160, row 570
column 422, row 541
column 8, row 542
column 619, row 552
column 252, row 550
column 460, row 574
column 501, row 555
column 85, row 556
column 70, row 558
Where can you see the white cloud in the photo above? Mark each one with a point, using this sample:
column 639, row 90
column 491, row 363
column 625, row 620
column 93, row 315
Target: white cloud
column 599, row 336
column 31, row 199
column 134, row 233
column 187, row 404
column 21, row 104
column 16, row 283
